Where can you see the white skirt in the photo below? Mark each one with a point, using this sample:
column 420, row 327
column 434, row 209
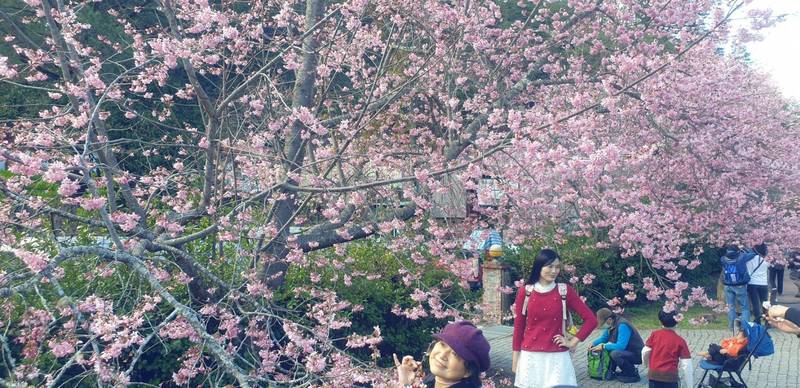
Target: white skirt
column 545, row 369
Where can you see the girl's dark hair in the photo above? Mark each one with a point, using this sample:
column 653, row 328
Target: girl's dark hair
column 544, row 258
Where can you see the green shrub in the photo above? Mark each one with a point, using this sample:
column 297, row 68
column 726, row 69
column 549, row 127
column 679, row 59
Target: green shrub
column 401, row 335
column 581, row 253
column 609, row 268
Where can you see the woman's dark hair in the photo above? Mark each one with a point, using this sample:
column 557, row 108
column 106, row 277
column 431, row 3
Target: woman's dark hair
column 544, row 258
column 667, row 319
column 474, row 377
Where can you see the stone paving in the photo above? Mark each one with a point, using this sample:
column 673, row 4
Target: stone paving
column 779, row 370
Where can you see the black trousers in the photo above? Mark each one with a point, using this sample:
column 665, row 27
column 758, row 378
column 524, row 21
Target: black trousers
column 758, row 295
column 776, row 280
column 661, row 384
column 716, row 356
column 626, row 361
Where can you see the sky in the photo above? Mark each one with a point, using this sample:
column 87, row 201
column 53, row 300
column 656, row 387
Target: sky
column 779, row 52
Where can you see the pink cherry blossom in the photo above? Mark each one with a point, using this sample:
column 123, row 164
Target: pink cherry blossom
column 36, row 262
column 270, row 154
column 68, row 187
column 62, row 348
column 55, row 173
column 126, row 221
column 93, row 203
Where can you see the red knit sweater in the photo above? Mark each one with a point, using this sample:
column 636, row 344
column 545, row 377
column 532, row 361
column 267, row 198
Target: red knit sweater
column 534, row 332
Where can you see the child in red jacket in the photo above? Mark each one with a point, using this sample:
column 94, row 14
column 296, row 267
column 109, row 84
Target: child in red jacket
column 665, row 351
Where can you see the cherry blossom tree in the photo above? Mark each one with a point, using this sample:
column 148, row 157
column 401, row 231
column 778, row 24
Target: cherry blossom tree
column 194, row 153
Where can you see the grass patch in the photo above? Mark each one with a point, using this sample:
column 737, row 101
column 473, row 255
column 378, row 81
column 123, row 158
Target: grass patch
column 646, row 318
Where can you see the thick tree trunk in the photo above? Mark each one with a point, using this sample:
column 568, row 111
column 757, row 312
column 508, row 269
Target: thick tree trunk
column 293, row 151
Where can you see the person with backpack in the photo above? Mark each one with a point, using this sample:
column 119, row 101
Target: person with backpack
column 735, row 278
column 623, row 343
column 541, row 342
column 757, row 287
column 665, row 353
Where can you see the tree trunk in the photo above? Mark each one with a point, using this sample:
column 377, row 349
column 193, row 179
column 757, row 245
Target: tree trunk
column 303, row 96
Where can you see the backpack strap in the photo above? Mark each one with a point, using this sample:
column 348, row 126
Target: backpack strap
column 528, row 289
column 562, row 290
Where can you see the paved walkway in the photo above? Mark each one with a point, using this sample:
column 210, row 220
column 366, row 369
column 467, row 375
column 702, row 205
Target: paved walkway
column 791, row 294
column 781, row 370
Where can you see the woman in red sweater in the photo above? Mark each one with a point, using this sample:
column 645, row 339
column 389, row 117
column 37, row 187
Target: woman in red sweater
column 541, row 355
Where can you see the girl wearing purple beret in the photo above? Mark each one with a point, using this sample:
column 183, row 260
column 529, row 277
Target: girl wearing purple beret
column 457, row 358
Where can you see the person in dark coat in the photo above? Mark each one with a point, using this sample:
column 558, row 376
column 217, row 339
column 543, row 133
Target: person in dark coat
column 623, row 343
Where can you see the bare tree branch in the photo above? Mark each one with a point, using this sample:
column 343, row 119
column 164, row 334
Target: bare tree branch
column 324, row 238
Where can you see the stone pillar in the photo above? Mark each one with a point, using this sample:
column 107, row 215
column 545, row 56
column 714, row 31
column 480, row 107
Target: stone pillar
column 496, row 304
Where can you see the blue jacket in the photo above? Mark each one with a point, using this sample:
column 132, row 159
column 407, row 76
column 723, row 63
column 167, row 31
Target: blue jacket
column 621, row 336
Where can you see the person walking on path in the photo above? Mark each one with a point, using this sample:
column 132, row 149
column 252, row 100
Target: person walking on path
column 758, row 286
column 775, row 280
column 735, row 278
column 541, row 357
column 457, row 357
column 794, row 272
column 664, row 353
column 624, row 344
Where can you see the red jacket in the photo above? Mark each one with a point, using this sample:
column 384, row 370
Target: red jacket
column 534, row 332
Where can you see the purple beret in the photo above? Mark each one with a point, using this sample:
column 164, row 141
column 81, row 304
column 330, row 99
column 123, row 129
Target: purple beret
column 468, row 342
